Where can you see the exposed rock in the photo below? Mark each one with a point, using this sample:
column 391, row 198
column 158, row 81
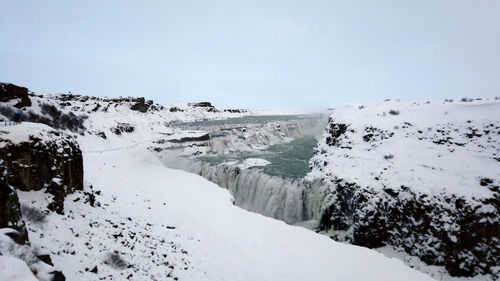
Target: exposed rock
column 203, row 137
column 336, row 130
column 201, row 104
column 141, row 105
column 122, row 128
column 46, row 259
column 236, row 110
column 10, row 91
column 58, row 276
column 10, row 210
column 439, row 225
column 206, row 105
column 176, row 109
column 101, row 134
column 48, row 159
column 460, row 234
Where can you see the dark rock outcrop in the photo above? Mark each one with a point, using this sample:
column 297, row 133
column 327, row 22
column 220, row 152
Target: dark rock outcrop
column 203, row 137
column 443, row 229
column 236, row 110
column 206, row 105
column 201, row 104
column 122, row 128
column 459, row 232
column 10, row 91
column 10, row 210
column 54, row 163
column 141, row 105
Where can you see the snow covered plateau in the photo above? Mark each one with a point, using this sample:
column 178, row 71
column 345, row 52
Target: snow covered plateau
column 126, row 189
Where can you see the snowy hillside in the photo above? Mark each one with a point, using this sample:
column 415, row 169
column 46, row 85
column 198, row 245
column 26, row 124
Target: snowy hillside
column 423, row 178
column 136, row 219
column 155, row 223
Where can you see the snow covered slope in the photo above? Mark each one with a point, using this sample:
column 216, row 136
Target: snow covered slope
column 155, row 223
column 137, row 219
column 421, row 177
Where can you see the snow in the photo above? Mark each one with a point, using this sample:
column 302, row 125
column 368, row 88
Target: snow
column 16, row 134
column 412, row 139
column 215, row 239
column 436, row 272
column 168, row 223
column 13, row 269
column 19, row 261
column 253, row 162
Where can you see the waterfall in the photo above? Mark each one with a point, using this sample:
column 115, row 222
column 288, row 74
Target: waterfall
column 289, row 200
column 235, row 138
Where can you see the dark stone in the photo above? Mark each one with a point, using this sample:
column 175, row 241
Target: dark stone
column 485, row 181
column 201, row 104
column 58, row 276
column 33, row 164
column 204, row 137
column 367, row 137
column 102, row 134
column 335, row 130
column 18, row 237
column 176, row 109
column 236, row 110
column 10, row 91
column 94, row 270
column 404, row 218
column 10, row 209
column 141, row 105
column 122, row 128
column 46, row 259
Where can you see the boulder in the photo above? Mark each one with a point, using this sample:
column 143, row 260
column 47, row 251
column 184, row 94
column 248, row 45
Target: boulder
column 203, row 137
column 10, row 91
column 10, row 210
column 141, row 105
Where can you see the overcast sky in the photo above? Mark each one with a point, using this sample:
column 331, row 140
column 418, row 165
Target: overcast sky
column 257, row 54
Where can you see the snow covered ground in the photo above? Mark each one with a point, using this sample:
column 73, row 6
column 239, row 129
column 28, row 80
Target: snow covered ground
column 436, row 147
column 155, row 223
column 152, row 222
column 423, row 178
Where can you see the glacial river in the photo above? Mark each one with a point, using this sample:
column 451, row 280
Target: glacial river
column 288, row 159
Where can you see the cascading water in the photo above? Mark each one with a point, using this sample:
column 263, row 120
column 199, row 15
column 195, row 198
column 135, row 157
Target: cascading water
column 289, row 200
column 276, row 190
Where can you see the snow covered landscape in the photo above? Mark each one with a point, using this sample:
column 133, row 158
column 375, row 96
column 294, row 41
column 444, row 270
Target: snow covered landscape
column 126, row 189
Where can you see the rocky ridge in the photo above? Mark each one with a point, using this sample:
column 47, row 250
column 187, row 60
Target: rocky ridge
column 429, row 187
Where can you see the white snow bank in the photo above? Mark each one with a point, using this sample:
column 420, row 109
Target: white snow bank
column 253, row 162
column 214, row 240
column 22, row 132
column 433, row 148
column 13, row 269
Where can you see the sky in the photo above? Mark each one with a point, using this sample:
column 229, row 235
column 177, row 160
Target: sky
column 254, row 54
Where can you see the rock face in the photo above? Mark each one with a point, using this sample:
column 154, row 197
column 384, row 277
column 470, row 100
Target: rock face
column 10, row 210
column 141, row 105
column 10, row 91
column 442, row 229
column 204, row 137
column 122, row 128
column 424, row 180
column 47, row 159
column 206, row 105
column 34, row 157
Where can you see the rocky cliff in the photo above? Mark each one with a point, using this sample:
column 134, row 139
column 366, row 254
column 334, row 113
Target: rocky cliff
column 10, row 92
column 421, row 178
column 35, row 157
